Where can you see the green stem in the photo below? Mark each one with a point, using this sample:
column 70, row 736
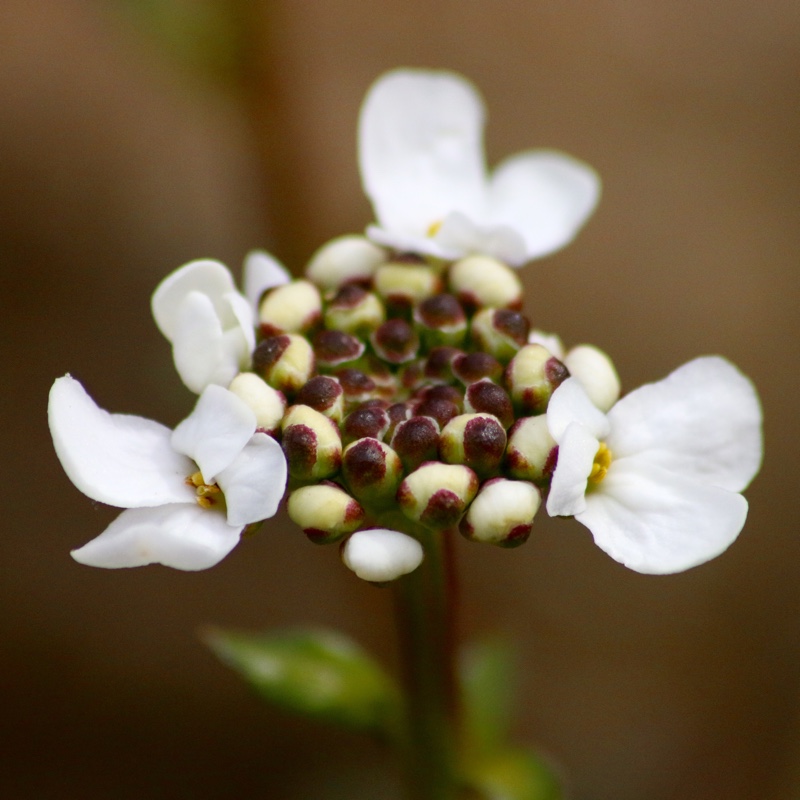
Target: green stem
column 425, row 616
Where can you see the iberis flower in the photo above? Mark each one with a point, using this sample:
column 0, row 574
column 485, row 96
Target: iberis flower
column 422, row 165
column 657, row 480
column 189, row 493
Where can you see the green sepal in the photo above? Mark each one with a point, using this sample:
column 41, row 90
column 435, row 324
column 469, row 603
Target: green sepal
column 513, row 774
column 317, row 674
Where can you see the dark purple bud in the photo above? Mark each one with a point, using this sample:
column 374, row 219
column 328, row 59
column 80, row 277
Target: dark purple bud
column 395, row 341
column 324, row 394
column 471, row 367
column 476, row 440
column 416, row 440
column 335, row 348
column 441, row 320
column 439, row 364
column 365, row 421
column 487, row 397
column 373, row 471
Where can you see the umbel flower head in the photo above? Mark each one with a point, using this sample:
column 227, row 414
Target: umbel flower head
column 399, row 388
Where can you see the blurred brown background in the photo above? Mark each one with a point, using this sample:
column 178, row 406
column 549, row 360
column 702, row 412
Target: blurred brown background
column 126, row 149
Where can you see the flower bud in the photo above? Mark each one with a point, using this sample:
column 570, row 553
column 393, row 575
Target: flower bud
column 373, row 471
column 311, row 443
column 440, row 408
column 532, row 452
column 487, row 397
column 532, row 376
column 416, row 440
column 595, row 370
column 395, row 341
column 436, row 495
column 404, row 283
column 354, row 310
column 411, row 374
column 365, row 421
column 471, row 367
column 385, row 380
column 398, row 412
column 480, row 281
column 336, row 349
column 379, row 555
column 439, row 364
column 346, row 259
column 292, row 308
column 267, row 403
column 286, row 362
column 477, row 440
column 441, row 321
column 500, row 332
column 502, row 513
column 358, row 387
column 324, row 511
column 324, row 394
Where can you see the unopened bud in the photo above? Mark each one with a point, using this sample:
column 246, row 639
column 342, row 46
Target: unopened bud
column 471, row 367
column 532, row 376
column 416, row 440
column 441, row 321
column 476, row 440
column 412, row 374
column 404, row 284
column 398, row 412
column 532, row 452
column 437, row 495
column 292, row 308
column 379, row 555
column 395, row 341
column 336, row 349
column 286, row 362
column 354, row 310
column 500, row 332
column 365, row 421
column 323, row 393
column 373, row 471
column 267, row 403
column 502, row 513
column 480, row 281
column 440, row 408
column 487, row 397
column 325, row 512
column 358, row 387
column 439, row 364
column 346, row 259
column 311, row 443
column 595, row 370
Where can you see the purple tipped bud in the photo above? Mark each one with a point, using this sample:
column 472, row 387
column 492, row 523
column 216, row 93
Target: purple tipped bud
column 365, row 421
column 416, row 440
column 335, row 349
column 398, row 412
column 354, row 310
column 411, row 375
column 324, row 394
column 346, row 259
column 325, row 512
column 286, row 362
column 406, row 283
column 502, row 513
column 477, row 440
column 532, row 376
column 358, row 387
column 395, row 341
column 292, row 308
column 532, row 453
column 481, row 281
column 437, row 495
column 471, row 367
column 439, row 364
column 311, row 443
column 441, row 321
column 440, row 408
column 487, row 397
column 500, row 332
column 373, row 471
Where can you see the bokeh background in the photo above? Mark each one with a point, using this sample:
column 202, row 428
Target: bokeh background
column 135, row 136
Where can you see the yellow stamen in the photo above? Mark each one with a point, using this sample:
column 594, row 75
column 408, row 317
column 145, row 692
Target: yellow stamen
column 206, row 492
column 602, row 461
column 434, row 228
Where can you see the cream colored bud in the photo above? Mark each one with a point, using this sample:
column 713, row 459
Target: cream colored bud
column 379, row 555
column 595, row 370
column 532, row 376
column 408, row 283
column 437, row 495
column 531, row 452
column 354, row 310
column 286, row 361
column 346, row 259
column 373, row 471
column 267, row 403
column 325, row 512
column 500, row 332
column 480, row 281
column 292, row 308
column 502, row 513
column 311, row 443
column 477, row 440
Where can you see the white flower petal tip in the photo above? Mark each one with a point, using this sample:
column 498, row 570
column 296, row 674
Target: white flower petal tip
column 379, row 555
column 660, row 494
column 422, row 166
column 262, row 272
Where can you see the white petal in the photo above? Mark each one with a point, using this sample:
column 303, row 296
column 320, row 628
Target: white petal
column 460, row 234
column 596, row 372
column 206, row 276
column 545, row 196
column 576, row 453
column 656, row 522
column 550, row 341
column 118, row 459
column 183, row 536
column 411, row 243
column 262, row 272
column 703, row 421
column 255, row 482
column 380, row 555
column 244, row 320
column 570, row 403
column 216, row 431
column 421, row 149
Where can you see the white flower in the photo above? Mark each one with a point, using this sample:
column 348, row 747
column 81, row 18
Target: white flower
column 189, row 492
column 381, row 555
column 209, row 323
column 656, row 481
column 422, row 165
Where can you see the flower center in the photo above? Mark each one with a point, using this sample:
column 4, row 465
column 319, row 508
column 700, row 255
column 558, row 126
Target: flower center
column 434, row 228
column 209, row 495
column 602, row 461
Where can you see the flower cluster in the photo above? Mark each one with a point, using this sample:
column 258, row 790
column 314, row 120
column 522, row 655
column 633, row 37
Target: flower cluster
column 398, row 385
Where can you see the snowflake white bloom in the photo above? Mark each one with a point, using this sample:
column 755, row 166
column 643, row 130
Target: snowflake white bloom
column 422, row 165
column 381, row 555
column 656, row 480
column 188, row 493
column 209, row 323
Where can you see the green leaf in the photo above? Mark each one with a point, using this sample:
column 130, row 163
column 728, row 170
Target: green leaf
column 487, row 686
column 318, row 674
column 513, row 775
